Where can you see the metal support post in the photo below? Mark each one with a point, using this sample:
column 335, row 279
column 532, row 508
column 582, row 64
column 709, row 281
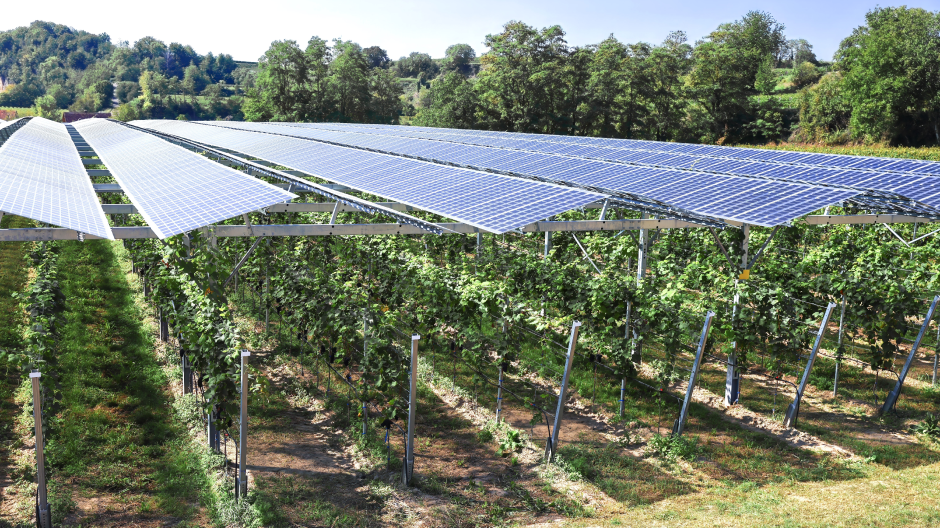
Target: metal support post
column 43, row 511
column 409, row 465
column 365, row 419
column 267, row 297
column 164, row 327
column 623, row 391
column 212, row 434
column 187, row 373
column 479, row 242
column 793, row 411
column 733, row 374
column 693, row 377
column 835, row 379
column 936, row 356
column 894, row 394
column 241, row 487
column 552, row 445
column 499, row 394
column 642, row 256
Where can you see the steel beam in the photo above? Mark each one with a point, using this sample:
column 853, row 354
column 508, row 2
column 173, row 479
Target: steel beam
column 226, row 231
column 864, row 219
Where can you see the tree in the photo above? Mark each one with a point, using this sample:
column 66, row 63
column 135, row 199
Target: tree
column 515, row 86
column 666, row 67
column 805, row 74
column 194, row 80
column 126, row 112
column 415, row 64
column 89, row 102
column 606, row 84
column 891, row 69
column 282, row 76
column 451, row 102
column 458, row 58
column 726, row 65
column 766, row 81
column 46, row 107
column 385, row 97
column 377, row 57
column 21, row 95
column 824, row 109
column 320, row 103
column 350, row 81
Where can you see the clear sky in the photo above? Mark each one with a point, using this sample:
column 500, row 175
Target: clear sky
column 246, row 29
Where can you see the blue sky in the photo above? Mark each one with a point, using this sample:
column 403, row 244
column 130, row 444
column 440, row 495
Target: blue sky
column 246, row 29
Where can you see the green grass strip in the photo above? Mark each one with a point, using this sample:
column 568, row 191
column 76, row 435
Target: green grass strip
column 115, row 434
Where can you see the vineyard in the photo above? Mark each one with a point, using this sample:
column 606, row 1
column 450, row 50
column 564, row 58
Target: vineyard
column 331, row 320
column 591, row 376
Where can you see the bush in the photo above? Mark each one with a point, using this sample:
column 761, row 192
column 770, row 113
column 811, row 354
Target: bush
column 671, row 448
column 929, row 427
column 805, row 74
column 824, row 111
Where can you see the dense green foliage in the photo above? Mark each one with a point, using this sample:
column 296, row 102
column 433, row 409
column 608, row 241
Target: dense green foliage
column 79, row 71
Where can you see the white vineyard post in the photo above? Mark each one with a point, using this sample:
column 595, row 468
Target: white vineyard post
column 408, row 466
column 242, row 484
column 894, row 394
column 693, row 377
column 43, row 511
column 793, row 411
column 553, row 440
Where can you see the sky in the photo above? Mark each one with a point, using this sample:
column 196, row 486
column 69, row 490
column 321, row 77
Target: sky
column 246, row 29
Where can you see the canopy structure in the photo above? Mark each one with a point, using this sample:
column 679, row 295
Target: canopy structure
column 180, row 176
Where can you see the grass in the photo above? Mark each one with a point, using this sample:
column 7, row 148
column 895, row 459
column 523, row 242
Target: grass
column 882, row 498
column 882, row 151
column 116, row 435
column 785, row 100
column 14, row 267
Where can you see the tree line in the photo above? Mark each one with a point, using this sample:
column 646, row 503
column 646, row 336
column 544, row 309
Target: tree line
column 881, row 85
column 745, row 82
column 52, row 66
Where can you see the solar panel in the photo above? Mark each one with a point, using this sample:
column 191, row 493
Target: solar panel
column 42, row 178
column 722, row 160
column 175, row 190
column 491, row 202
column 758, row 202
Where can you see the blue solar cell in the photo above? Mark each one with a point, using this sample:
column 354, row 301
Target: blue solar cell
column 175, row 190
column 42, row 178
column 657, row 184
column 465, row 195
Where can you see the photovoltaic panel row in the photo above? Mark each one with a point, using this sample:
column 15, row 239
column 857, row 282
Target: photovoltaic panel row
column 42, row 178
column 924, row 189
column 175, row 190
column 836, row 161
column 491, row 202
column 759, row 202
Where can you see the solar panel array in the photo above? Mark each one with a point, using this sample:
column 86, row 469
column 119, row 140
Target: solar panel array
column 842, row 161
column 907, row 179
column 42, row 178
column 175, row 190
column 491, row 202
column 758, row 202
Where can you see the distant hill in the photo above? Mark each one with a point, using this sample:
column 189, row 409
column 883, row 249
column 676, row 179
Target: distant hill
column 57, row 60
